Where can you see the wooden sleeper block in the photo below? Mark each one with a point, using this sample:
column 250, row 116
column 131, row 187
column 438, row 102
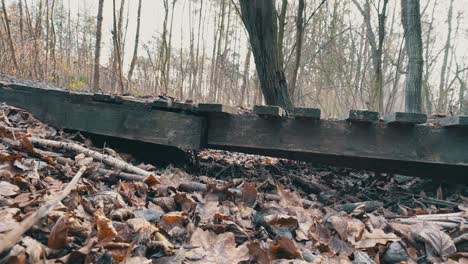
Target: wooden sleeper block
column 106, row 98
column 404, row 118
column 454, row 121
column 363, row 116
column 161, row 104
column 182, row 106
column 306, row 113
column 269, row 110
column 217, row 109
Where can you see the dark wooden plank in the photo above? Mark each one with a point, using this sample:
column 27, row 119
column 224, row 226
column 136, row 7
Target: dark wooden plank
column 374, row 146
column 363, row 116
column 117, row 120
column 454, row 121
column 162, row 104
column 269, row 111
column 306, row 113
column 107, row 98
column 403, row 118
column 217, row 108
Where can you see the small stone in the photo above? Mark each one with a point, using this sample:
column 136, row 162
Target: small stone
column 149, row 215
column 395, row 253
column 362, row 258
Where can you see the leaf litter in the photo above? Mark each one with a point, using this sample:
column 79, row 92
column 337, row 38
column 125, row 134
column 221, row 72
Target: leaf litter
column 229, row 208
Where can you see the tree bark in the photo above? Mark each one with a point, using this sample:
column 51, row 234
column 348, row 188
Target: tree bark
column 10, row 39
column 97, row 53
column 411, row 21
column 137, row 40
column 299, row 38
column 259, row 18
column 441, row 103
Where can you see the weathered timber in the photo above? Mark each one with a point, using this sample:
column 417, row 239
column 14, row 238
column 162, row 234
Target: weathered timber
column 162, row 104
column 127, row 120
column 416, row 150
column 403, row 118
column 454, row 121
column 217, row 108
column 306, row 113
column 183, row 106
column 360, row 142
column 107, row 98
column 269, row 111
column 363, row 116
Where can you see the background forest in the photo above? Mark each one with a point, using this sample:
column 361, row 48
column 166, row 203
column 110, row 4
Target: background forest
column 198, row 50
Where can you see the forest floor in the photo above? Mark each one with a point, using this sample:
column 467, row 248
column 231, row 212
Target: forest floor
column 64, row 200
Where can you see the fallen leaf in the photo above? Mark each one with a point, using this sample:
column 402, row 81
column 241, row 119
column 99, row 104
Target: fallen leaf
column 210, row 248
column 105, row 231
column 58, row 236
column 377, row 236
column 258, row 253
column 437, row 242
column 286, row 248
column 8, row 189
column 348, row 228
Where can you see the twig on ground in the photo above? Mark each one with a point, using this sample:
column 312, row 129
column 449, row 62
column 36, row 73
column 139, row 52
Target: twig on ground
column 110, row 161
column 14, row 236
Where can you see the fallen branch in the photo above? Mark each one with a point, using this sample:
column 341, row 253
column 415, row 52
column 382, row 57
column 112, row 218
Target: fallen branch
column 14, row 236
column 109, row 160
column 447, row 221
column 310, row 186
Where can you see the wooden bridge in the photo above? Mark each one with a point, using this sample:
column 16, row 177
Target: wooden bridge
column 404, row 143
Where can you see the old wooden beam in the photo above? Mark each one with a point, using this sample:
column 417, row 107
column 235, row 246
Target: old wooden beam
column 130, row 120
column 403, row 118
column 306, row 113
column 363, row 116
column 454, row 121
column 217, row 109
column 414, row 150
column 269, row 111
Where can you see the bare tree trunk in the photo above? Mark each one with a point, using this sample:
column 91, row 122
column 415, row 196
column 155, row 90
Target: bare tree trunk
column 299, row 37
column 376, row 95
column 246, row 78
column 281, row 28
column 441, row 103
column 20, row 9
column 259, row 18
column 97, row 53
column 137, row 41
column 10, row 39
column 411, row 21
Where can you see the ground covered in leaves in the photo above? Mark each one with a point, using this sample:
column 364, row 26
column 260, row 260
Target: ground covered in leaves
column 227, row 208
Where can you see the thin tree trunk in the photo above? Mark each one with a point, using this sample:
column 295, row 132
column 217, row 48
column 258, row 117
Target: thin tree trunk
column 10, row 39
column 137, row 40
column 441, row 104
column 411, row 21
column 97, row 53
column 299, row 38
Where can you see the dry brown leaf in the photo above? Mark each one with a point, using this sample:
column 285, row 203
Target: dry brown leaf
column 34, row 249
column 105, row 230
column 249, row 194
column 285, row 248
column 377, row 236
column 58, row 236
column 258, row 253
column 7, row 220
column 349, row 229
column 8, row 189
column 438, row 243
column 210, row 248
